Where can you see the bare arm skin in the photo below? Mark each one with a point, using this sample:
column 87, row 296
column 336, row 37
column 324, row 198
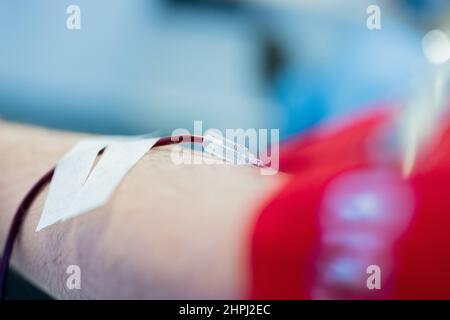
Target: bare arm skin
column 170, row 231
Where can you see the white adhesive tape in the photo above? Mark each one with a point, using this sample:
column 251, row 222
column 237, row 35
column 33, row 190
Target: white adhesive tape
column 77, row 187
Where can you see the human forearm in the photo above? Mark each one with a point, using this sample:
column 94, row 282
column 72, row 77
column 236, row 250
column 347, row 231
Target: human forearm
column 170, row 231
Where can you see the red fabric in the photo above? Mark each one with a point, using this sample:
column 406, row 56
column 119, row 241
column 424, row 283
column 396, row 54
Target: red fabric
column 286, row 236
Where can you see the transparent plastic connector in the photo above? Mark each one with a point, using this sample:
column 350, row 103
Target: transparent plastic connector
column 229, row 151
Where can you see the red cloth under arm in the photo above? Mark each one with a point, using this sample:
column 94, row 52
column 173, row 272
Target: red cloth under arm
column 287, row 239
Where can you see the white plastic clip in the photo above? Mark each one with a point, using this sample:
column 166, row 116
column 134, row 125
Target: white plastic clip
column 229, row 151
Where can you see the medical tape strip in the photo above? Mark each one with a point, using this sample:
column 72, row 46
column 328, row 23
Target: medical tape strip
column 77, row 188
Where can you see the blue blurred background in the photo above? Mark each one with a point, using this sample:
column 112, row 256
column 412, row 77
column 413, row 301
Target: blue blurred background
column 139, row 66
